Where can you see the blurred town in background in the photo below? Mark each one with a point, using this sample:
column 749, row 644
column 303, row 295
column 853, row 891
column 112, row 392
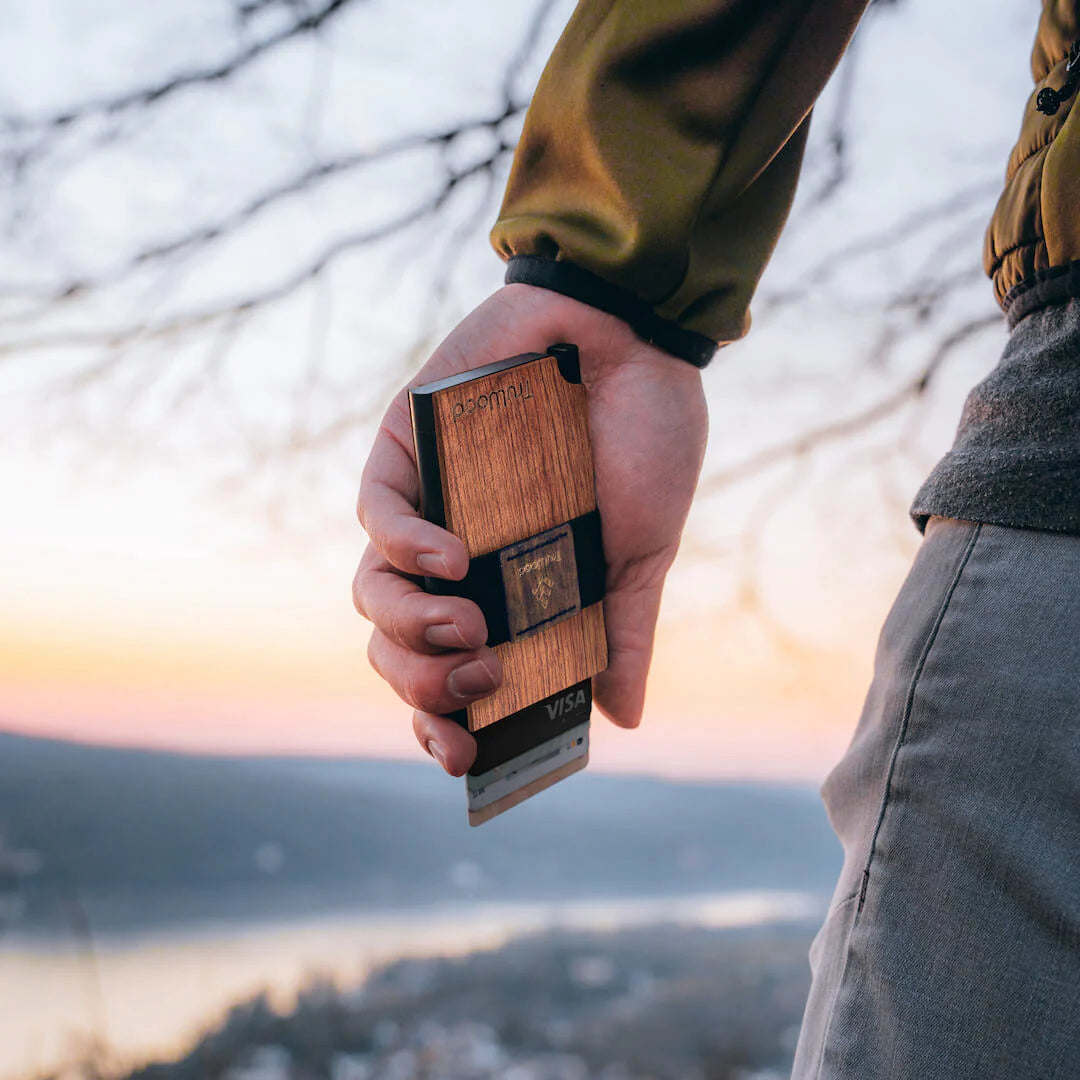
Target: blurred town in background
column 240, row 913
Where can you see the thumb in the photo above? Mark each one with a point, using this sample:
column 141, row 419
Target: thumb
column 630, row 615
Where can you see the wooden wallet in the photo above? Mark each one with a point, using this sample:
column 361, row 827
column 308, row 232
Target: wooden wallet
column 505, row 463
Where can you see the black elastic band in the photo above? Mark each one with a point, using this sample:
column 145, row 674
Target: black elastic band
column 483, row 584
column 589, row 552
column 581, row 284
column 1054, row 285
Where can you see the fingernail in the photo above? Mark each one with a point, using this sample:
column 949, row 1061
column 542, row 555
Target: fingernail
column 434, row 563
column 445, row 636
column 471, row 679
column 437, row 752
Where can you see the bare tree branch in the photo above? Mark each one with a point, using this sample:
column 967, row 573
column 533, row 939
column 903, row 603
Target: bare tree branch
column 27, row 323
column 306, row 22
column 839, row 123
column 115, row 337
column 883, row 240
column 524, row 51
column 845, row 427
column 300, row 184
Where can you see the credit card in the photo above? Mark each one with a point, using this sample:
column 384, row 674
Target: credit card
column 528, row 774
column 523, row 754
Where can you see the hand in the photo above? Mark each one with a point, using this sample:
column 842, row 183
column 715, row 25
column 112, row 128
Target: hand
column 648, row 423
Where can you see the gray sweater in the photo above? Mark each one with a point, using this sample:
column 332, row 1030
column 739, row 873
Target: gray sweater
column 1016, row 459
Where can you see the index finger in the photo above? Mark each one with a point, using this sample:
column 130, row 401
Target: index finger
column 386, row 506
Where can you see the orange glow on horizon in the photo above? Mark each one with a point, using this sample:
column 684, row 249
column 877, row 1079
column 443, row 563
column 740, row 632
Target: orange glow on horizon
column 718, row 704
column 153, row 621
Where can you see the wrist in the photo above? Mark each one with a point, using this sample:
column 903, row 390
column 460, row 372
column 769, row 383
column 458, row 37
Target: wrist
column 607, row 345
column 568, row 279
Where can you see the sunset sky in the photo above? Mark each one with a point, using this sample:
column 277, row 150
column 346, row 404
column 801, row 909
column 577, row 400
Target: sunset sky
column 138, row 611
column 143, row 602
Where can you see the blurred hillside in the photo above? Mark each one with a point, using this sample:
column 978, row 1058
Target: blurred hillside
column 141, row 838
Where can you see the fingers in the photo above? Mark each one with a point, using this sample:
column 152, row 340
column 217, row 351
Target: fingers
column 441, row 683
column 430, row 649
column 447, row 742
column 411, row 617
column 630, row 615
column 387, row 510
column 413, row 630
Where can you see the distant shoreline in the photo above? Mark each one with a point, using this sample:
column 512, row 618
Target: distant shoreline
column 123, row 927
column 156, row 990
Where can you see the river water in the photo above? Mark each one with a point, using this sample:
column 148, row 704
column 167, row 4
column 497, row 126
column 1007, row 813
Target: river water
column 149, row 995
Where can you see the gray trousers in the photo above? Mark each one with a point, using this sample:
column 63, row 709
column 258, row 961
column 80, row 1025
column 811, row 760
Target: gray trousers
column 952, row 946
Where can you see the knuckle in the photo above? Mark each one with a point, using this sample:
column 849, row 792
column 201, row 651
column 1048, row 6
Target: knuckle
column 398, row 624
column 420, row 729
column 363, row 498
column 409, row 620
column 358, row 593
column 423, row 689
column 472, row 619
column 399, row 549
column 408, row 680
column 411, row 691
column 373, row 653
column 371, row 511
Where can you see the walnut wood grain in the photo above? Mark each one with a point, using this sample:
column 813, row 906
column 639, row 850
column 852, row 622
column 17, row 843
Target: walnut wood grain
column 516, row 460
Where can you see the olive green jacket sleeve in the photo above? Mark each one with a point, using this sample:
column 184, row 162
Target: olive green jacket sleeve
column 660, row 156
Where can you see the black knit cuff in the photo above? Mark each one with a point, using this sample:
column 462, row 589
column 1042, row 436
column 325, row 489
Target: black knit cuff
column 580, row 284
column 1054, row 285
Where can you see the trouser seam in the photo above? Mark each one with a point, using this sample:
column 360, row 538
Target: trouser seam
column 900, row 739
column 909, row 702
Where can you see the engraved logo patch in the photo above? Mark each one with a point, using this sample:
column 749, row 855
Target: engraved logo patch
column 540, row 578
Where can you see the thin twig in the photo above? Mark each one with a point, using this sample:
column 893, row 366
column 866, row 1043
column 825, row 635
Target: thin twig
column 305, row 23
column 845, row 427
